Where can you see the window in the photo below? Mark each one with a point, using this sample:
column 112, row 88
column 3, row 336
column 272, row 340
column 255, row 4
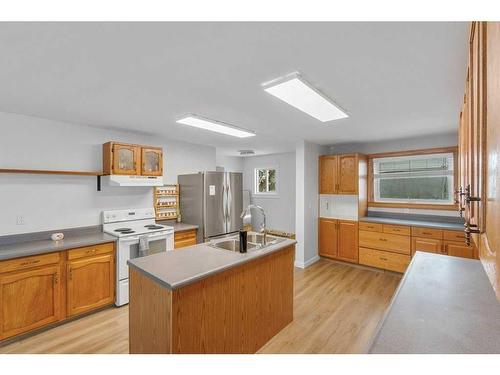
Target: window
column 416, row 179
column 266, row 181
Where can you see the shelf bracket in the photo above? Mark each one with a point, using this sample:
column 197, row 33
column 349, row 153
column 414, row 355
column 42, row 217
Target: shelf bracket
column 98, row 182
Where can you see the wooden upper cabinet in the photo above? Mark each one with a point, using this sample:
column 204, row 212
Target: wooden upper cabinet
column 131, row 159
column 348, row 240
column 90, row 283
column 339, row 174
column 328, row 175
column 327, row 241
column 347, row 174
column 152, row 161
column 29, row 299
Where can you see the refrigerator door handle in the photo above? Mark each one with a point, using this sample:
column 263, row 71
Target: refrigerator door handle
column 224, row 205
column 229, row 205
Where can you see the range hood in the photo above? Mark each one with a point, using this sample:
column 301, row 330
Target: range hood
column 122, row 180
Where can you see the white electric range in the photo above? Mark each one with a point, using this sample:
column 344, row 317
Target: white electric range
column 138, row 235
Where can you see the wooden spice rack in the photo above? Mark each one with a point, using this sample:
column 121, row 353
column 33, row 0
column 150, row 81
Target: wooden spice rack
column 166, row 201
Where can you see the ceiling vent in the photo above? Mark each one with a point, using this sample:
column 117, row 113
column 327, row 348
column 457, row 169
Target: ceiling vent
column 246, row 152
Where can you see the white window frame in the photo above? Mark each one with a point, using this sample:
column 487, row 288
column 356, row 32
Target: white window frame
column 268, row 194
column 449, row 173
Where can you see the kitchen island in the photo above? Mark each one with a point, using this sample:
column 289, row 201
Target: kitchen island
column 203, row 299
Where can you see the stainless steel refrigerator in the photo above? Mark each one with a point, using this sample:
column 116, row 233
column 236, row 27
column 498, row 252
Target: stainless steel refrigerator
column 213, row 201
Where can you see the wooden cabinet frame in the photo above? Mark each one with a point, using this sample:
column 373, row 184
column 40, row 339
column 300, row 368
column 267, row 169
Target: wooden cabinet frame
column 371, row 201
column 330, row 236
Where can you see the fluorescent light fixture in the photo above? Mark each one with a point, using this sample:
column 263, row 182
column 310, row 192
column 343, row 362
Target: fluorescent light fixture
column 215, row 126
column 296, row 91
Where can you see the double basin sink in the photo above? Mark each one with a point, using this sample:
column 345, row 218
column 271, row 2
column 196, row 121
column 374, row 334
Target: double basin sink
column 255, row 241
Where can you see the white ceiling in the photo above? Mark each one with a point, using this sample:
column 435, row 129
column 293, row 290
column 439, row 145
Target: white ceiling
column 396, row 80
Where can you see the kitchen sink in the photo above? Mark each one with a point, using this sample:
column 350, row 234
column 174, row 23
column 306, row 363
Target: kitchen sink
column 255, row 241
column 233, row 245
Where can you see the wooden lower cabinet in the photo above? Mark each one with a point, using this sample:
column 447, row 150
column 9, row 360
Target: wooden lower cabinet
column 90, row 283
column 385, row 241
column 29, row 299
column 384, row 259
column 338, row 239
column 348, row 241
column 184, row 238
column 328, row 238
column 40, row 290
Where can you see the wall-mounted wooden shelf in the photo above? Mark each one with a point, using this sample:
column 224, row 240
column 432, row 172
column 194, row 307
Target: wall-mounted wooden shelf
column 166, row 201
column 57, row 172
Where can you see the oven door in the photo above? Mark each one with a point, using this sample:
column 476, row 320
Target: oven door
column 128, row 248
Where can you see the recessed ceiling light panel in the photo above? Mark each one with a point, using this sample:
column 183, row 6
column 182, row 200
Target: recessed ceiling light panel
column 215, row 126
column 296, row 91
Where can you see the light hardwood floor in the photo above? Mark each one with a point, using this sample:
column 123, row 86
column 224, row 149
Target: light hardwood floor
column 336, row 310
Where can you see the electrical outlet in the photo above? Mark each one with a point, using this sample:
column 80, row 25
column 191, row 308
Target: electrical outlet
column 20, row 220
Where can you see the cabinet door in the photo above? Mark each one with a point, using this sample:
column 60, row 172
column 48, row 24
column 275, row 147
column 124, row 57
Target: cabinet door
column 29, row 299
column 126, row 159
column 458, row 249
column 152, row 161
column 328, row 238
column 91, row 283
column 430, row 245
column 348, row 241
column 347, row 174
column 327, row 174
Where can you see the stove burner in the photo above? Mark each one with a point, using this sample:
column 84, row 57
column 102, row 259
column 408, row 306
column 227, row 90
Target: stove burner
column 153, row 226
column 122, row 230
column 127, row 231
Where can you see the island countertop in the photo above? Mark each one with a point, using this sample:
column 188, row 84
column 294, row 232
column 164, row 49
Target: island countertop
column 443, row 305
column 177, row 268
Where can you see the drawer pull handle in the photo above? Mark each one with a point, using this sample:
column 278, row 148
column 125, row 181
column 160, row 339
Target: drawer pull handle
column 382, row 258
column 30, row 262
column 427, row 233
column 383, row 239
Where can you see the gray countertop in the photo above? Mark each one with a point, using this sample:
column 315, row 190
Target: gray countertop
column 417, row 222
column 39, row 246
column 178, row 227
column 443, row 305
column 174, row 269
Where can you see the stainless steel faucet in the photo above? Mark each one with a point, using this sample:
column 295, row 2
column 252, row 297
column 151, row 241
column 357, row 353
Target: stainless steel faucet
column 263, row 229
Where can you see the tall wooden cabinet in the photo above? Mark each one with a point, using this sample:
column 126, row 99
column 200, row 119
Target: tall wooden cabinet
column 479, row 147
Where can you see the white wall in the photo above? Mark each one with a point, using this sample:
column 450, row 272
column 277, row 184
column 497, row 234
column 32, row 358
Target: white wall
column 280, row 210
column 230, row 163
column 52, row 202
column 306, row 211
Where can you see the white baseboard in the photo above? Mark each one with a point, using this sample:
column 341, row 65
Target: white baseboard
column 307, row 263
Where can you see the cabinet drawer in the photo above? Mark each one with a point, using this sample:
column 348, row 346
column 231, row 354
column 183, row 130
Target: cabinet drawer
column 29, row 262
column 453, row 235
column 429, row 245
column 458, row 249
column 397, row 229
column 383, row 259
column 187, row 234
column 370, row 227
column 385, row 241
column 91, row 250
column 184, row 242
column 427, row 232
